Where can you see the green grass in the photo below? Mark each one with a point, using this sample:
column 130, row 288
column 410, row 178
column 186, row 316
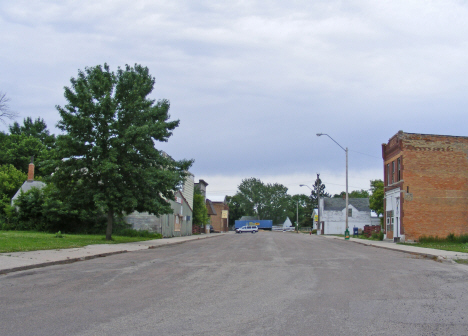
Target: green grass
column 21, row 241
column 447, row 246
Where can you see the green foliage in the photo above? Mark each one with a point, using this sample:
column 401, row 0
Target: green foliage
column 36, row 129
column 11, row 180
column 314, row 231
column 200, row 213
column 305, row 210
column 353, row 194
column 59, row 235
column 110, row 127
column 138, row 233
column 46, row 210
column 377, row 196
column 377, row 235
column 235, row 208
column 451, row 238
column 265, row 201
column 18, row 149
column 318, row 190
column 21, row 241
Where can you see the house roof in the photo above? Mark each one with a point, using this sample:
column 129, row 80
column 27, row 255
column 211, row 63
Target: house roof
column 210, row 208
column 26, row 187
column 182, row 196
column 338, row 204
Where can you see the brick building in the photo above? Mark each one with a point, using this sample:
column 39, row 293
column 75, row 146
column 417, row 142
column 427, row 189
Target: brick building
column 219, row 224
column 426, row 185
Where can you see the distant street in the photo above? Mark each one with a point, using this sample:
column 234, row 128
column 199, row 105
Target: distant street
column 268, row 283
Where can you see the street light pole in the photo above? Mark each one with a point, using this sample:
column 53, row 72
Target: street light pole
column 297, row 216
column 347, row 199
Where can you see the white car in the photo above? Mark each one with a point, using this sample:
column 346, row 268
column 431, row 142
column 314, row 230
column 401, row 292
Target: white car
column 252, row 229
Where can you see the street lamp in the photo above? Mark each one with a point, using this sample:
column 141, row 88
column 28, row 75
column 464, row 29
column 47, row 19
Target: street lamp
column 346, row 151
column 318, row 208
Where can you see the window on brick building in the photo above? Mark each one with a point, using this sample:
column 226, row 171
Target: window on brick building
column 398, row 169
column 388, row 174
column 393, row 171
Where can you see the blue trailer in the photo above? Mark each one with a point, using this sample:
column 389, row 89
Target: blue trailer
column 264, row 224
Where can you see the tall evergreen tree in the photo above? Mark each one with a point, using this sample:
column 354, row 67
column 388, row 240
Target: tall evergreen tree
column 318, row 190
column 110, row 127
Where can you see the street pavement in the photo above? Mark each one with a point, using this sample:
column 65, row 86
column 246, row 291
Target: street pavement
column 268, row 283
column 20, row 261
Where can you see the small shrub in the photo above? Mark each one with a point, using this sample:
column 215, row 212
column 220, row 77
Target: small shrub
column 59, row 235
column 138, row 233
column 314, row 231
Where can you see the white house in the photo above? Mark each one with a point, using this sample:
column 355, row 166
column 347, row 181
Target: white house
column 333, row 210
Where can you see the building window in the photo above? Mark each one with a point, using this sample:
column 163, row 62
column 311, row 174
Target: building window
column 399, row 169
column 350, row 212
column 393, row 171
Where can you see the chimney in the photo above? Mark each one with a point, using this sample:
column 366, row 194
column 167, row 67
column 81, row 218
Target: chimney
column 31, row 170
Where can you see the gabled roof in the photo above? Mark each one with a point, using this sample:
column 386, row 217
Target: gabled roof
column 210, row 208
column 26, row 187
column 338, row 204
column 182, row 196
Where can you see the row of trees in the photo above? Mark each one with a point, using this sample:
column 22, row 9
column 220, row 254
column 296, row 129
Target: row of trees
column 105, row 163
column 271, row 201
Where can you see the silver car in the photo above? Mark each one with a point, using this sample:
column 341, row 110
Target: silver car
column 247, row 228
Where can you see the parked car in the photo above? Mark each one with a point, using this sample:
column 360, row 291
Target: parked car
column 212, row 229
column 247, row 228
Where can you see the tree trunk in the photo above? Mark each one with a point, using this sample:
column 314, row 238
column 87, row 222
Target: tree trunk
column 110, row 217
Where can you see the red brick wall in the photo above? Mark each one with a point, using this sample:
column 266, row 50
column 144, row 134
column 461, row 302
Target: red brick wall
column 435, row 168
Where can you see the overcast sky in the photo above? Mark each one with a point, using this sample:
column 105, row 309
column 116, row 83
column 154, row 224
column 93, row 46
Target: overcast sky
column 252, row 82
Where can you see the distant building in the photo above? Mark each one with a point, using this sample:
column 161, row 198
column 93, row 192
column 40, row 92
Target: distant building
column 176, row 224
column 219, row 224
column 426, row 185
column 333, row 212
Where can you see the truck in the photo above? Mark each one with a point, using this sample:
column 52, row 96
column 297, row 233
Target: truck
column 264, row 224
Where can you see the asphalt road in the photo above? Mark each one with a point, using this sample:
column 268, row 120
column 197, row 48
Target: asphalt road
column 249, row 284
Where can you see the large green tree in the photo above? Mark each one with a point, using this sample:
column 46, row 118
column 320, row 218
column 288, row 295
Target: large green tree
column 265, row 201
column 377, row 196
column 110, row 128
column 200, row 212
column 236, row 210
column 37, row 129
column 300, row 204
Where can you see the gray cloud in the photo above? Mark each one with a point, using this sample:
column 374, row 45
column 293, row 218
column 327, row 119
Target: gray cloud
column 252, row 83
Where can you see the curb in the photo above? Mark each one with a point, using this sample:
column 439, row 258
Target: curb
column 420, row 254
column 59, row 262
column 94, row 256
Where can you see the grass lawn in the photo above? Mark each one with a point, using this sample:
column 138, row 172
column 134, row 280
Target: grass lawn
column 447, row 246
column 21, row 241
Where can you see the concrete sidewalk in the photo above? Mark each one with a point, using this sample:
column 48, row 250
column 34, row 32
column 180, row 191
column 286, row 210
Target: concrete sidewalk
column 20, row 261
column 439, row 255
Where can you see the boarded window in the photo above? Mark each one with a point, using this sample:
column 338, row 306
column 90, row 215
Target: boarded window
column 177, row 223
